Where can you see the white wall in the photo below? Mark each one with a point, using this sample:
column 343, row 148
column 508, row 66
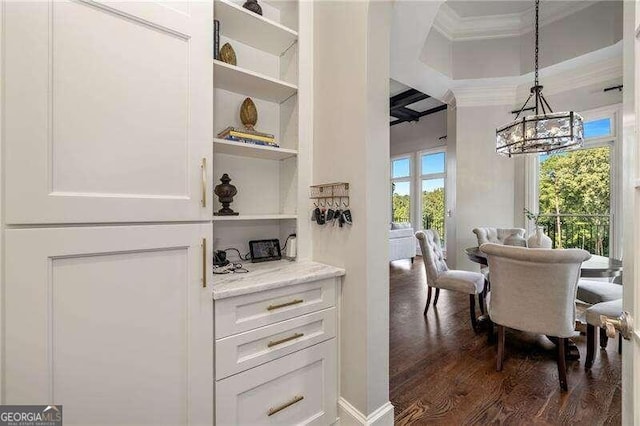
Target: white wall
column 486, row 58
column 437, row 52
column 351, row 144
column 484, row 180
column 408, row 137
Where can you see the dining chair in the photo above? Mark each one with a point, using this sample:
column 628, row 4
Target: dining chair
column 506, row 236
column 439, row 276
column 611, row 309
column 534, row 290
column 487, row 234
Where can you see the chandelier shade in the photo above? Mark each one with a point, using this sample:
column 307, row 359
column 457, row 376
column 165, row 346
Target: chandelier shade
column 544, row 131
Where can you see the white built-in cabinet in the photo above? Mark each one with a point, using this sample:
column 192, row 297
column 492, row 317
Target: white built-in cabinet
column 109, row 161
column 107, row 196
column 276, row 355
column 114, row 323
column 107, row 111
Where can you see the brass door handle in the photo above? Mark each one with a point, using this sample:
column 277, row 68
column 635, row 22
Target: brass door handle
column 296, row 399
column 623, row 324
column 204, row 263
column 203, row 166
column 282, row 305
column 285, row 340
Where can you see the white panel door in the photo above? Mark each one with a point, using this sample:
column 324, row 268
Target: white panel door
column 114, row 323
column 108, row 111
column 631, row 211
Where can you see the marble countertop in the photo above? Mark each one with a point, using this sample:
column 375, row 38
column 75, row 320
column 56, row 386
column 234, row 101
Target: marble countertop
column 270, row 275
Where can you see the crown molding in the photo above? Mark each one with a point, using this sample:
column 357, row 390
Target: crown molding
column 599, row 72
column 449, row 98
column 596, row 68
column 485, row 95
column 457, row 28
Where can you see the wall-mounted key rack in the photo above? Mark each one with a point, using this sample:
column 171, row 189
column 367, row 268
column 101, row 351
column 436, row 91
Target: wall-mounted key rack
column 331, row 205
column 330, row 190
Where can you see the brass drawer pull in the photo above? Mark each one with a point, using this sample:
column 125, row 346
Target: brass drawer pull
column 282, row 305
column 272, row 411
column 285, row 340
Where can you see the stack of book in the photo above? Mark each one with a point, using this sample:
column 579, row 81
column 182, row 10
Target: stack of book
column 248, row 136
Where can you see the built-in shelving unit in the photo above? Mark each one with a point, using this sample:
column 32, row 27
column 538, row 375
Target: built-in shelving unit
column 222, row 146
column 274, row 59
column 254, row 30
column 236, row 79
column 267, row 178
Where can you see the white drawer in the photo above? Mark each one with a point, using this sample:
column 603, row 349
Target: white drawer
column 296, row 389
column 247, row 350
column 249, row 311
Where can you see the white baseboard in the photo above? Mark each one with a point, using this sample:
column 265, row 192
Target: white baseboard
column 350, row 416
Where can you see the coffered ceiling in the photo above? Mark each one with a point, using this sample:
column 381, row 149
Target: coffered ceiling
column 473, row 20
column 407, row 104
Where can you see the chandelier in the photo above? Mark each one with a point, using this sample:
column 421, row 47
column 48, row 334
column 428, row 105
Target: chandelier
column 544, row 132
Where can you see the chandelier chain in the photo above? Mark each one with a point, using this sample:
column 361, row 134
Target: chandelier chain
column 537, row 41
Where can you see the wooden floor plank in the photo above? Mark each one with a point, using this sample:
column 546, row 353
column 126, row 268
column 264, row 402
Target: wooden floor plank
column 441, row 372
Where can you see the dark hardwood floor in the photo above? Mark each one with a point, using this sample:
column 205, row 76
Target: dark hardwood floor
column 441, row 372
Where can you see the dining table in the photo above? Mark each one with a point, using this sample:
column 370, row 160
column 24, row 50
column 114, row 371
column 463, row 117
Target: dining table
column 596, row 267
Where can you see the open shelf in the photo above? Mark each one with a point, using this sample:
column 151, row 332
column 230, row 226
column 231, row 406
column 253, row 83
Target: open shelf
column 255, row 217
column 249, row 28
column 250, row 83
column 241, row 149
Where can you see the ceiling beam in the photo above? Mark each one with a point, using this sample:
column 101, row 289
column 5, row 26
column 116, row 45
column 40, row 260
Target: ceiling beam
column 405, row 98
column 422, row 114
column 405, row 113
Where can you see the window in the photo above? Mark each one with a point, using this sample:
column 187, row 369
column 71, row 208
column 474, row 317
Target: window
column 597, row 128
column 401, row 189
column 577, row 190
column 574, row 198
column 432, row 184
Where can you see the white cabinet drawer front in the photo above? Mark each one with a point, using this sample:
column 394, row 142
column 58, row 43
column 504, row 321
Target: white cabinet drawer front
column 252, row 348
column 297, row 389
column 246, row 312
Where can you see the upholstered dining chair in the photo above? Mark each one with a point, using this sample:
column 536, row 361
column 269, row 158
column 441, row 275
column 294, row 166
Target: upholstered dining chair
column 534, row 290
column 486, row 234
column 506, row 236
column 439, row 276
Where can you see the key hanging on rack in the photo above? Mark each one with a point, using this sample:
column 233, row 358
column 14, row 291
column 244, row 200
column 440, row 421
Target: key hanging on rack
column 331, row 204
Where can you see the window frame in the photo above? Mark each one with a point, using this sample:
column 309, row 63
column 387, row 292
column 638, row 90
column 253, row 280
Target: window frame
column 532, row 173
column 426, row 176
column 408, row 178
